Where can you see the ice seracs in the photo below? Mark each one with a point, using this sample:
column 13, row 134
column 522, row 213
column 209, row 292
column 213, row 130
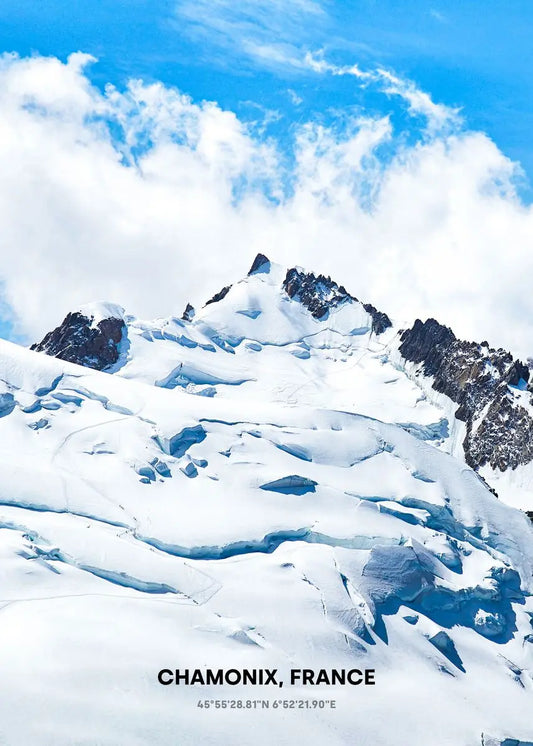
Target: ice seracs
column 257, row 488
column 295, row 336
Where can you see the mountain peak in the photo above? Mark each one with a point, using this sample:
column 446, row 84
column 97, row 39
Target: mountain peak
column 317, row 293
column 100, row 310
column 260, row 263
column 90, row 336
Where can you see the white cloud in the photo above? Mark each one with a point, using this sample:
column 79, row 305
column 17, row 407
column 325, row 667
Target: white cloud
column 270, row 32
column 419, row 102
column 178, row 209
column 438, row 16
column 278, row 34
column 296, row 100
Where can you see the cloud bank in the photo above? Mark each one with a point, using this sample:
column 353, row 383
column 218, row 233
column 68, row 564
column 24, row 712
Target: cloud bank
column 148, row 199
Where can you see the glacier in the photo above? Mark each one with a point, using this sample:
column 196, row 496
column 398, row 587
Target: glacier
column 263, row 483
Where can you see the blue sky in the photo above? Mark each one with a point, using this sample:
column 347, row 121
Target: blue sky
column 373, row 141
column 473, row 55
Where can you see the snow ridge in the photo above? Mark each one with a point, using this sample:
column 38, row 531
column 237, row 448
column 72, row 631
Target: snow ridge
column 263, row 484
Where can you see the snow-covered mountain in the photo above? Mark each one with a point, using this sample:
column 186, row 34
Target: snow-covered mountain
column 291, row 337
column 283, row 479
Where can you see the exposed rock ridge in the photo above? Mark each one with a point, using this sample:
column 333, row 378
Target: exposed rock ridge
column 189, row 313
column 219, row 296
column 261, row 262
column 380, row 320
column 79, row 340
column 319, row 294
column 499, row 430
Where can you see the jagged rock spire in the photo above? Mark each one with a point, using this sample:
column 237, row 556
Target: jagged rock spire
column 261, row 262
column 85, row 341
column 319, row 294
column 189, row 313
column 220, row 295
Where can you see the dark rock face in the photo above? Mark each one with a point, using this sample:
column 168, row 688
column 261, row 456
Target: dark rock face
column 261, row 262
column 78, row 341
column 319, row 294
column 189, row 313
column 427, row 343
column 316, row 292
column 499, row 430
column 220, row 295
column 380, row 320
column 504, row 439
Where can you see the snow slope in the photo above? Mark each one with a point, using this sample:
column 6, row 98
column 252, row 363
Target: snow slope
column 255, row 488
column 258, row 343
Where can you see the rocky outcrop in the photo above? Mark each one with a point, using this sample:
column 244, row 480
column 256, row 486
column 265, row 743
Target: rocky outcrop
column 260, row 263
column 427, row 343
column 480, row 379
column 319, row 294
column 504, row 438
column 189, row 313
column 81, row 340
column 220, row 295
column 380, row 320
